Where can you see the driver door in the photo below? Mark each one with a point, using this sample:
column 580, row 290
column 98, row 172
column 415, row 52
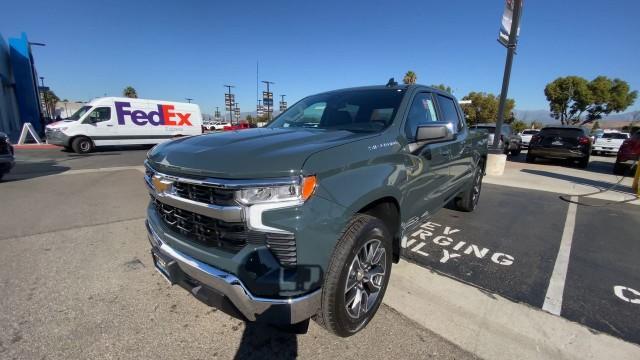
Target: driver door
column 100, row 126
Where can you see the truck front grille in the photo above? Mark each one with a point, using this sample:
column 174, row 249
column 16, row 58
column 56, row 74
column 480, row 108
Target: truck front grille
column 203, row 229
column 204, row 194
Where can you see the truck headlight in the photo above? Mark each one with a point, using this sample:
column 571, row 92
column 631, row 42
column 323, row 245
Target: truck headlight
column 283, row 193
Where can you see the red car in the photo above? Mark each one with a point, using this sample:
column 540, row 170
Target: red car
column 628, row 154
column 236, row 127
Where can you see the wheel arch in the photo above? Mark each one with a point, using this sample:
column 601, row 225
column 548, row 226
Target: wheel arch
column 387, row 209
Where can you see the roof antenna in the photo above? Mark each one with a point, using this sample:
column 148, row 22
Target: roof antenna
column 391, row 83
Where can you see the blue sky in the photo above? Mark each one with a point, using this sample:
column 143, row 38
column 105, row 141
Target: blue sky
column 172, row 50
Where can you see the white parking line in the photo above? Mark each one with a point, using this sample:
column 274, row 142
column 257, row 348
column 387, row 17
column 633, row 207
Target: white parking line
column 553, row 298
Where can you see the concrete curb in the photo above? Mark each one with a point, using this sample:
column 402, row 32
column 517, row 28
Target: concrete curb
column 36, row 146
column 491, row 326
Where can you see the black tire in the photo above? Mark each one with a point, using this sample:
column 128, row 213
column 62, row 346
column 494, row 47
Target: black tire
column 530, row 157
column 468, row 200
column 583, row 163
column 516, row 152
column 82, row 145
column 363, row 231
column 619, row 169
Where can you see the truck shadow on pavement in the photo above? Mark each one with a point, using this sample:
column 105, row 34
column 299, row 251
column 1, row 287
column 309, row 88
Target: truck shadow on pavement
column 260, row 341
column 582, row 181
column 30, row 170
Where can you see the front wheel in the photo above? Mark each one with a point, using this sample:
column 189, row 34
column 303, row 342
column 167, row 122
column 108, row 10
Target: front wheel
column 468, row 200
column 82, row 145
column 357, row 277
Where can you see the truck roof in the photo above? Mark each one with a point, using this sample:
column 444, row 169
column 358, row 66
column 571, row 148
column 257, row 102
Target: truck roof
column 109, row 99
column 396, row 87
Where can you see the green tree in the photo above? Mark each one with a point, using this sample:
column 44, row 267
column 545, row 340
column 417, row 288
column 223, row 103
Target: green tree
column 484, row 108
column 130, row 92
column 572, row 96
column 608, row 96
column 568, row 98
column 410, row 78
column 443, row 87
column 250, row 119
column 50, row 101
column 518, row 126
column 596, row 125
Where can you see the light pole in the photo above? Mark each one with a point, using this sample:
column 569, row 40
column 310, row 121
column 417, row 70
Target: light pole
column 283, row 104
column 270, row 98
column 511, row 49
column 189, row 100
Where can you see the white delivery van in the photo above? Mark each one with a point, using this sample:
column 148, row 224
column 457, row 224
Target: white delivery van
column 124, row 121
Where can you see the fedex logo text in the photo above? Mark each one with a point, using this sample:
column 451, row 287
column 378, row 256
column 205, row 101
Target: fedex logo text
column 164, row 116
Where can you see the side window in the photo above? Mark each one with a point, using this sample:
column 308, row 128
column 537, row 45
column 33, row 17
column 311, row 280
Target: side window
column 449, row 111
column 422, row 112
column 99, row 114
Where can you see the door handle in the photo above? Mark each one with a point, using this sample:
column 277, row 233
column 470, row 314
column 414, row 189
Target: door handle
column 109, row 124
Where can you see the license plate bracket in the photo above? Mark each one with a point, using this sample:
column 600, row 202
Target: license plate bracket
column 166, row 266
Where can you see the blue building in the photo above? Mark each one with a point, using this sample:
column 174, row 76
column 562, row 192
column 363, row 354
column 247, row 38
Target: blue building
column 19, row 98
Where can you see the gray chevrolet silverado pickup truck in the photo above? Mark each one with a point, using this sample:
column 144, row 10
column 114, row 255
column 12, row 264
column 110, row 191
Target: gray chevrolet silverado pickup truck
column 302, row 218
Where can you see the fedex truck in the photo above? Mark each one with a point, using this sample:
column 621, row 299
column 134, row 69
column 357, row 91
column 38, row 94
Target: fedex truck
column 124, row 121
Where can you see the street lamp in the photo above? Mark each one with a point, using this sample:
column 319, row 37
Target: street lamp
column 189, row 100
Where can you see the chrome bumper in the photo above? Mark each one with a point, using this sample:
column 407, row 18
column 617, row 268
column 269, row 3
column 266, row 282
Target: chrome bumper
column 290, row 310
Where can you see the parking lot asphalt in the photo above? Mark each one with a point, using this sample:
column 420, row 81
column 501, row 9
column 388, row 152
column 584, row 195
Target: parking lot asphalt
column 510, row 244
column 77, row 281
column 74, row 265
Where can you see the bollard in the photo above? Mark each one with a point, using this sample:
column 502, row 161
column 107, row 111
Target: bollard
column 635, row 187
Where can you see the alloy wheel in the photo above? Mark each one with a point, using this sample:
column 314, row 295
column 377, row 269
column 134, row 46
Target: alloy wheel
column 365, row 278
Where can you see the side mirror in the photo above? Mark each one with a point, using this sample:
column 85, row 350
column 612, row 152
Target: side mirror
column 435, row 132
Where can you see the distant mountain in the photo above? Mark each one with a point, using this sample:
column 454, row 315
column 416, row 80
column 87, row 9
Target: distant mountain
column 544, row 117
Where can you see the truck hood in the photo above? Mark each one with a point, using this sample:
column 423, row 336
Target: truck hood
column 250, row 153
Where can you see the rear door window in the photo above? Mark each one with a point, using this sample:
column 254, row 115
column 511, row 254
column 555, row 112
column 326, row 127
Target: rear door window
column 449, row 111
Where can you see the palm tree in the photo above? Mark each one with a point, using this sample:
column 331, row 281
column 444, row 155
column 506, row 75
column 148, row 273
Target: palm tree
column 50, row 101
column 410, row 78
column 130, row 92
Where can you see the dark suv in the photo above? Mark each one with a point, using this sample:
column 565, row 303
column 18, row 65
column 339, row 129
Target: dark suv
column 303, row 218
column 561, row 142
column 6, row 155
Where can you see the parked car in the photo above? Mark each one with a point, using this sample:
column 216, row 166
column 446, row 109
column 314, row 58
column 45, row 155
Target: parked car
column 628, row 154
column 303, row 218
column 236, row 127
column 215, row 125
column 510, row 142
column 124, row 121
column 7, row 160
column 561, row 142
column 609, row 143
column 526, row 136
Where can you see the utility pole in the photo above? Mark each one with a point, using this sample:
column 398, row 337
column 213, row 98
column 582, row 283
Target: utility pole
column 189, row 100
column 268, row 99
column 229, row 102
column 44, row 97
column 283, row 104
column 511, row 49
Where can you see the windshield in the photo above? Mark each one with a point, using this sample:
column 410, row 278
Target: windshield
column 78, row 114
column 615, row 136
column 352, row 110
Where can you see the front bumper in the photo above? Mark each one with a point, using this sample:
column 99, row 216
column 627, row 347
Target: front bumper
column 607, row 149
column 57, row 138
column 181, row 266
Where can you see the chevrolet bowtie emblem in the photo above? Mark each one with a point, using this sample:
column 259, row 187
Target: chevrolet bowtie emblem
column 161, row 185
